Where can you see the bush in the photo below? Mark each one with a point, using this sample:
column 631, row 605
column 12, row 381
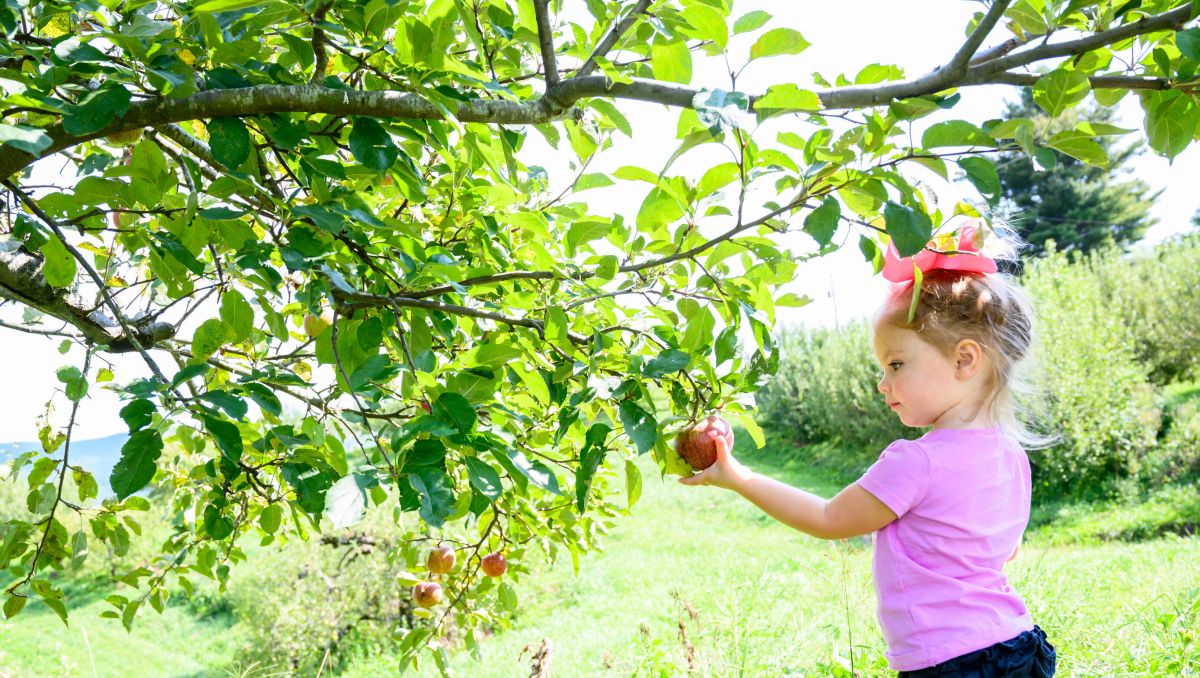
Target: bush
column 1099, row 395
column 1159, row 295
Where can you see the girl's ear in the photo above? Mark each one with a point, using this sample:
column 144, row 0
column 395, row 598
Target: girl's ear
column 968, row 357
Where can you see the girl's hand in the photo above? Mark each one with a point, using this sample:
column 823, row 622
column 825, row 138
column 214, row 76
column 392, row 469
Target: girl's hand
column 725, row 472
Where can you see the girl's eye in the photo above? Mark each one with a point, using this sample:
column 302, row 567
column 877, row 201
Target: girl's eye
column 894, row 365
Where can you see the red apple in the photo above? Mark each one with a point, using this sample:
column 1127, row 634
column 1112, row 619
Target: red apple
column 696, row 445
column 494, row 564
column 427, row 594
column 441, row 559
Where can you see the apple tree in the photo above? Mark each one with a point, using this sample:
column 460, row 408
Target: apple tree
column 316, row 226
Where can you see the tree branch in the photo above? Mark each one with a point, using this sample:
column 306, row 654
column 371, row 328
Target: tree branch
column 613, row 36
column 1098, row 81
column 1174, row 19
column 958, row 63
column 130, row 334
column 353, row 300
column 321, row 62
column 21, row 280
column 546, row 38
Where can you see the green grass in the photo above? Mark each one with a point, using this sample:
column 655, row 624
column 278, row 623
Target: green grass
column 174, row 644
column 755, row 598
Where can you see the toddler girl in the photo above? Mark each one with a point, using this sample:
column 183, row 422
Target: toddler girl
column 949, row 508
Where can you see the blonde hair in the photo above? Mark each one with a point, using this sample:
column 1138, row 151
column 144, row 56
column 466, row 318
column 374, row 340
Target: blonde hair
column 993, row 310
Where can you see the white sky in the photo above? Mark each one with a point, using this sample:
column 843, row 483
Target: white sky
column 917, row 35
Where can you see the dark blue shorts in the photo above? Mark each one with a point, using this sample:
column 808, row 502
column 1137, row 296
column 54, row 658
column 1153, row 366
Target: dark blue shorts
column 1028, row 655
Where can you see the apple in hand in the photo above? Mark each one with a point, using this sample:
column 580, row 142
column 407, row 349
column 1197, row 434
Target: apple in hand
column 441, row 559
column 427, row 594
column 696, row 444
column 494, row 564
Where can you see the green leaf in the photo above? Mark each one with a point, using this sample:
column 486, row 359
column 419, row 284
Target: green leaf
column 982, row 173
column 1060, row 89
column 210, row 336
column 180, row 253
column 97, row 110
column 372, row 145
column 456, row 411
column 585, row 231
column 750, row 21
column 822, row 222
column 29, row 139
column 910, row 229
column 667, row 362
column 14, row 605
column 85, row 484
column 1081, row 147
column 346, row 501
column 778, row 41
column 633, row 483
column 270, row 518
column 706, row 24
column 787, row 97
column 590, row 459
column 639, row 425
column 232, row 405
column 436, row 492
column 138, row 414
column 537, row 472
column 238, row 315
column 1188, row 43
column 658, row 209
column 671, row 61
column 229, row 140
column 484, row 478
column 227, row 436
column 77, row 385
column 592, row 180
column 136, row 467
column 955, row 133
column 224, row 5
column 59, row 265
column 1170, row 121
column 726, row 344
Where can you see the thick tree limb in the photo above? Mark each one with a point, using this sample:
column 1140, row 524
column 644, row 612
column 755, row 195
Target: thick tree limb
column 613, row 36
column 546, row 38
column 129, row 332
column 21, row 280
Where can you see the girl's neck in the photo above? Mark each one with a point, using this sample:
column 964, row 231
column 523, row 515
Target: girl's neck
column 967, row 416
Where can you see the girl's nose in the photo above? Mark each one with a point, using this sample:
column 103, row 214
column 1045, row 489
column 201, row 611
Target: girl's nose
column 880, row 385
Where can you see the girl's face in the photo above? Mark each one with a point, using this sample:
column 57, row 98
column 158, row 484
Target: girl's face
column 924, row 386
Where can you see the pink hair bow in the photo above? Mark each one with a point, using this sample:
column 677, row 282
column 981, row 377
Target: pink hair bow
column 969, row 259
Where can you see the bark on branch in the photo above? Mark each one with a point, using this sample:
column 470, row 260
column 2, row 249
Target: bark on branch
column 21, row 280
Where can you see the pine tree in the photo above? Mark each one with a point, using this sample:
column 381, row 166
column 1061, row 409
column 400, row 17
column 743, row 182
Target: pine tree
column 1079, row 206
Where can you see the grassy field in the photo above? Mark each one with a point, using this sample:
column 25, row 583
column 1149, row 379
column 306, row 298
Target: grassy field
column 700, row 581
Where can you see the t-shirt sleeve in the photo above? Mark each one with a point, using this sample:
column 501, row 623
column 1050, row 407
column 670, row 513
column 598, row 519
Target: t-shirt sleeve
column 900, row 477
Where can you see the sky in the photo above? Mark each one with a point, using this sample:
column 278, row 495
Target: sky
column 916, row 35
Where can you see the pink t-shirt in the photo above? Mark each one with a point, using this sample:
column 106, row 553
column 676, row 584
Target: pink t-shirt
column 962, row 497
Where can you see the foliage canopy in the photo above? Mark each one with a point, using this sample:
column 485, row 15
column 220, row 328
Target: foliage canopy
column 247, row 166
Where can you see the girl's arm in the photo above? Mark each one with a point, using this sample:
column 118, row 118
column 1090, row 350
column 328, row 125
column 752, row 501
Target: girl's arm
column 853, row 512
